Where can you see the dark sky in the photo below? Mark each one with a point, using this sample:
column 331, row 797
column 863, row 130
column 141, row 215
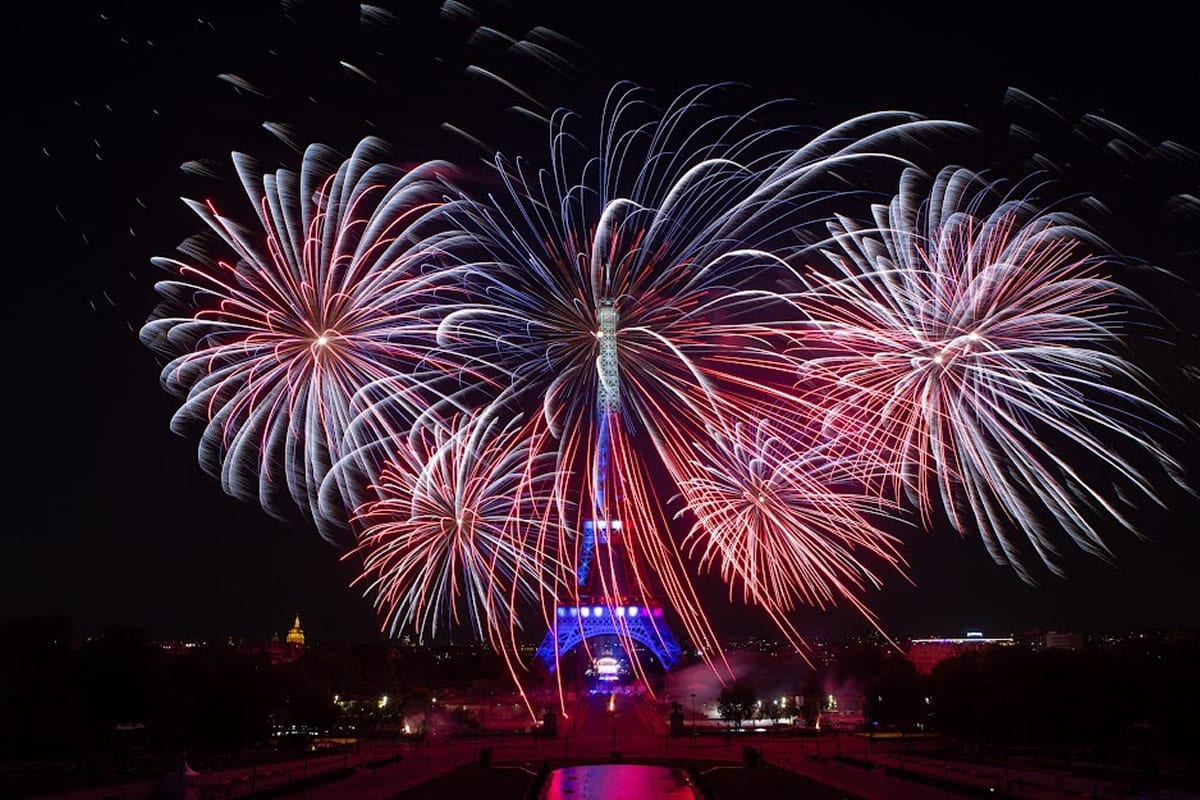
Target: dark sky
column 111, row 520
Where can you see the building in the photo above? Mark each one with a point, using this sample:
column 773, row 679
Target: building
column 925, row 654
column 278, row 651
column 296, row 635
column 1057, row 640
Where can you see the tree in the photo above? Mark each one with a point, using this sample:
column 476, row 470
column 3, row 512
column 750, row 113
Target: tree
column 894, row 695
column 737, row 703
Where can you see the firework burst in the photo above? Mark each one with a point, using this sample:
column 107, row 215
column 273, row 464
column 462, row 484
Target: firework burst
column 785, row 520
column 459, row 530
column 976, row 356
column 324, row 298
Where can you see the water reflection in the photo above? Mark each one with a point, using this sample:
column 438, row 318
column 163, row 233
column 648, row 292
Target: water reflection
column 618, row 782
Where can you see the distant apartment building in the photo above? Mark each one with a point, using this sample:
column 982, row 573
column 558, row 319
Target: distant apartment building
column 1057, row 640
column 925, row 654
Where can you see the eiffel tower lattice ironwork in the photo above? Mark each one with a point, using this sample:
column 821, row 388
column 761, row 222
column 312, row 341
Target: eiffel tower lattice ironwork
column 603, row 608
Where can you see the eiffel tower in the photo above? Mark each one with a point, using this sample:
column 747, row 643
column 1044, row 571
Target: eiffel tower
column 603, row 609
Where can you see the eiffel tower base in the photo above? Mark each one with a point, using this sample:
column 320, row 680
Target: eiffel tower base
column 641, row 624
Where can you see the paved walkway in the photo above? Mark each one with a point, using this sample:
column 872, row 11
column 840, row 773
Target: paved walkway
column 238, row 781
column 417, row 767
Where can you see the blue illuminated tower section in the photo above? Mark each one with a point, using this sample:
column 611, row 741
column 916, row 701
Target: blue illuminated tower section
column 604, row 610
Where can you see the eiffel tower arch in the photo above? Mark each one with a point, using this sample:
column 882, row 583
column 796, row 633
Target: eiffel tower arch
column 604, row 610
column 631, row 619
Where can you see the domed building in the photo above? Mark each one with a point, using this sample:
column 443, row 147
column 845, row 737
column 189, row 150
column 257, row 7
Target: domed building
column 277, row 651
column 296, row 635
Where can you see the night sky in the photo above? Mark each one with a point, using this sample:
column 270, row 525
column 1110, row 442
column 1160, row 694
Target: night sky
column 111, row 520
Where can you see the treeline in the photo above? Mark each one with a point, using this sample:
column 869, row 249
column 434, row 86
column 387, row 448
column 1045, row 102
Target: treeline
column 1108, row 703
column 1112, row 701
column 113, row 698
column 1105, row 701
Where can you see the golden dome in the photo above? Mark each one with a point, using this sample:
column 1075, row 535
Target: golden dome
column 295, row 635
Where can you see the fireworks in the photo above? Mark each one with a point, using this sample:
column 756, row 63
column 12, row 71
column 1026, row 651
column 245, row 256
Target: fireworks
column 459, row 513
column 976, row 355
column 771, row 512
column 640, row 332
column 637, row 301
column 324, row 301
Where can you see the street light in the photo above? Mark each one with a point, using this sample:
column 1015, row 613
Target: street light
column 693, row 718
column 612, row 712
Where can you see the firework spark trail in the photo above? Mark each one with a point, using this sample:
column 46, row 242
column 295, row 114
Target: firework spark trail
column 327, row 296
column 974, row 355
column 683, row 222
